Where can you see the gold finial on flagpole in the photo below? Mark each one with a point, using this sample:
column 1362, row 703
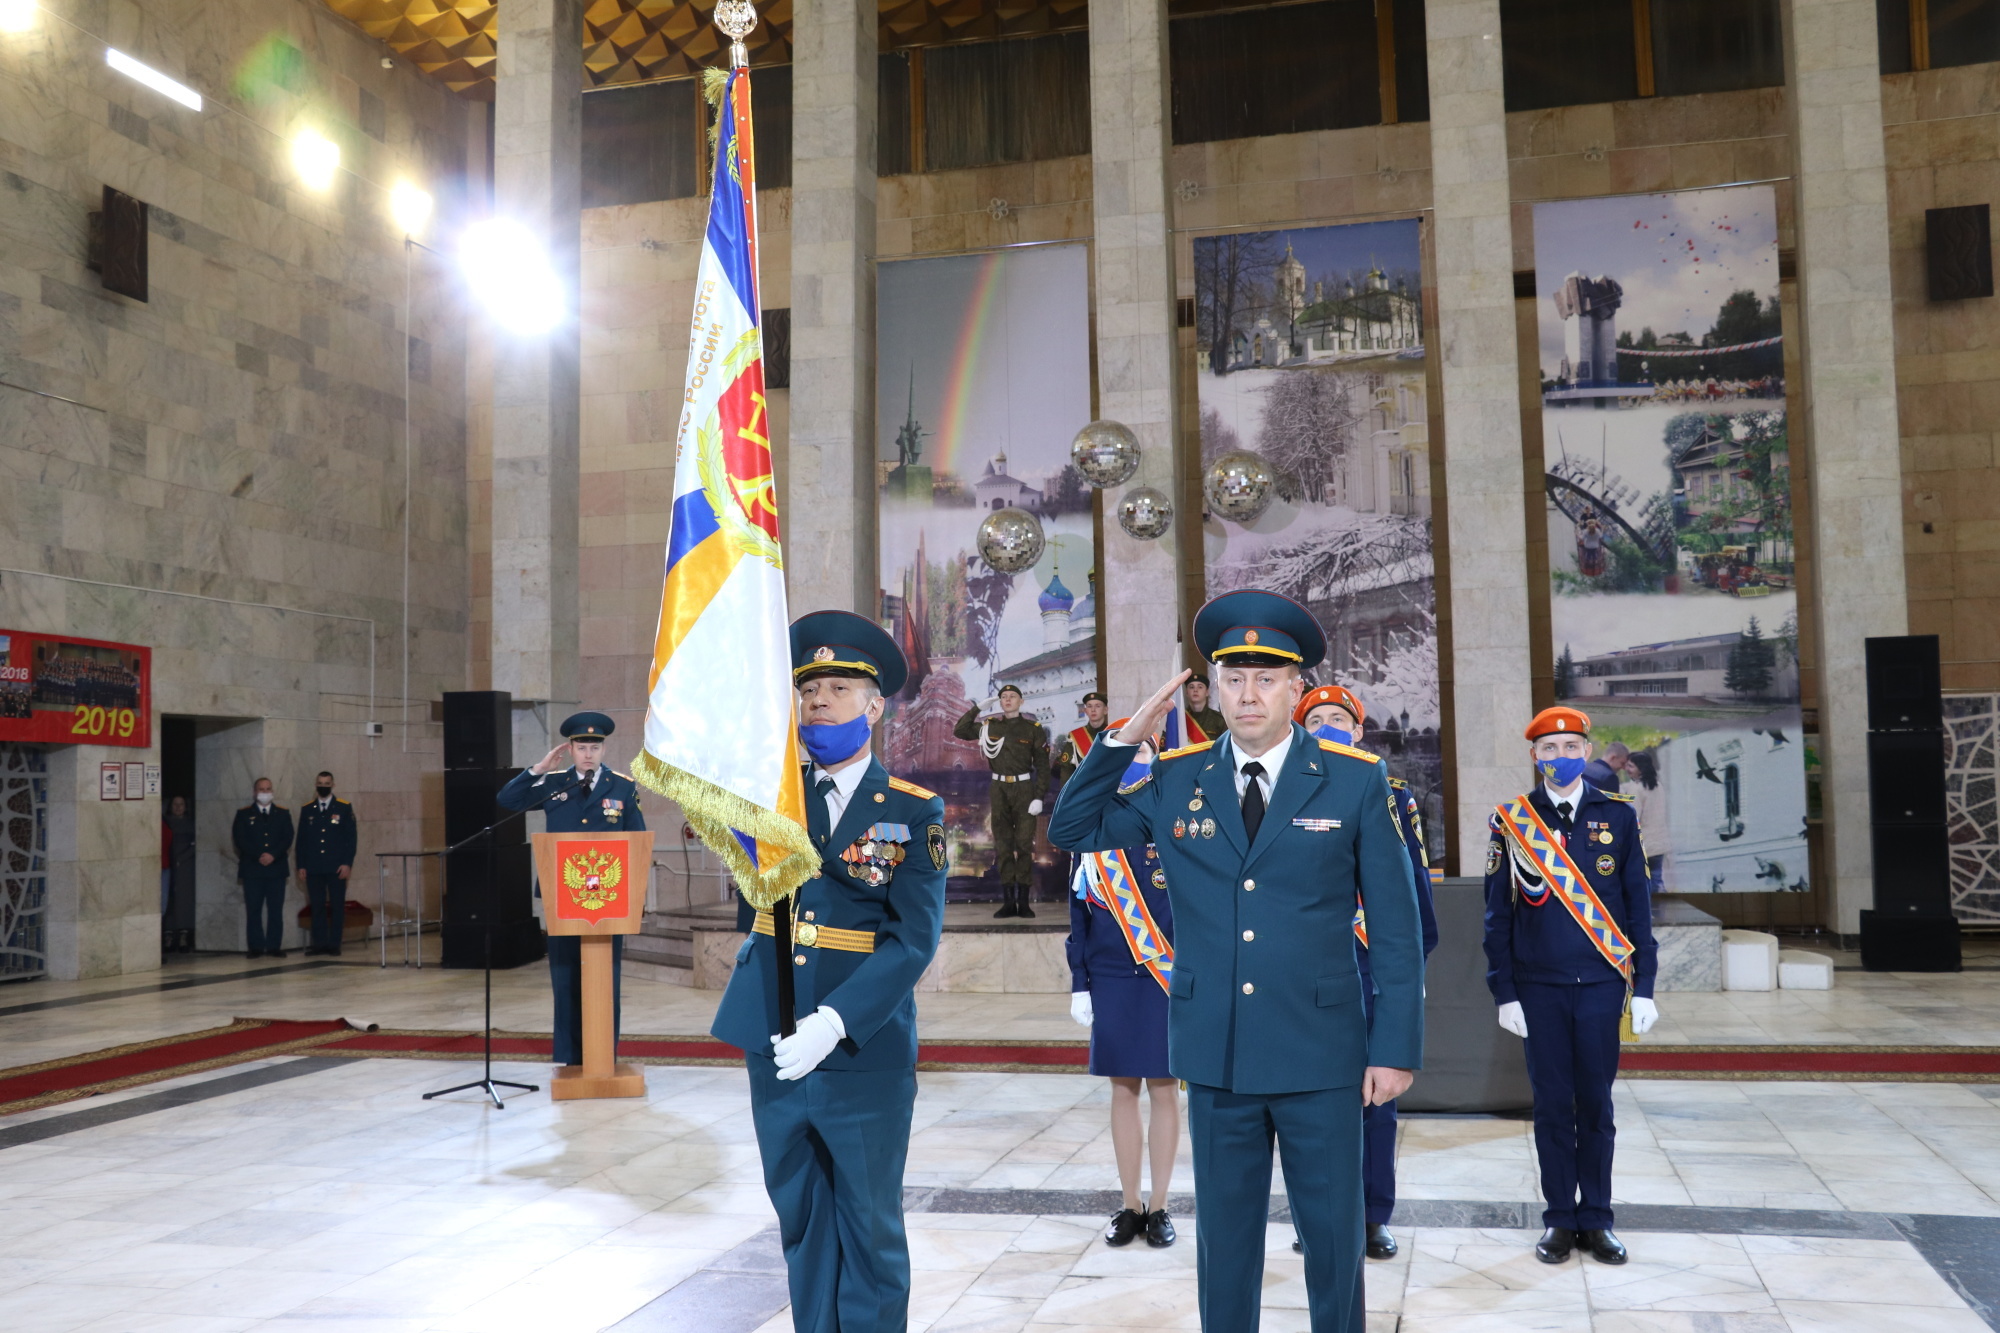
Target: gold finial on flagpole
column 736, row 18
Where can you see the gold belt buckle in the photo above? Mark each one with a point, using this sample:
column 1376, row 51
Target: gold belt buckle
column 806, row 933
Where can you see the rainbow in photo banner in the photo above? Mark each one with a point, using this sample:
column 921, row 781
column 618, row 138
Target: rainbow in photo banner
column 720, row 738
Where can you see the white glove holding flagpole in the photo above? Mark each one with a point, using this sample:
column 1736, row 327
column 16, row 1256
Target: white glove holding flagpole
column 1513, row 1019
column 801, row 1053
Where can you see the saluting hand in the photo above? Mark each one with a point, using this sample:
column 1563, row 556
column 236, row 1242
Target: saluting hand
column 1152, row 714
column 549, row 759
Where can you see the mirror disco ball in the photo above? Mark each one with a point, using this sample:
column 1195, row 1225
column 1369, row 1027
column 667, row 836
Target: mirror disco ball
column 1011, row 540
column 1240, row 486
column 1145, row 513
column 1105, row 452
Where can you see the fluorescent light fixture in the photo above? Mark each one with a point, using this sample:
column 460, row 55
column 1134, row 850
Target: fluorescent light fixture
column 152, row 78
column 315, row 157
column 17, row 15
column 410, row 207
column 509, row 274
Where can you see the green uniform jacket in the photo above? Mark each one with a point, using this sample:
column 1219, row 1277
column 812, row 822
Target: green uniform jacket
column 1024, row 746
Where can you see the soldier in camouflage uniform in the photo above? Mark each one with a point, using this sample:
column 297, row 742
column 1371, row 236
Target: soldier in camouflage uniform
column 1017, row 751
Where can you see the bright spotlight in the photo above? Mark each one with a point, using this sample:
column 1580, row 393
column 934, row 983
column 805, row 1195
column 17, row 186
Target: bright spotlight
column 152, row 78
column 509, row 274
column 410, row 207
column 17, row 15
column 316, row 158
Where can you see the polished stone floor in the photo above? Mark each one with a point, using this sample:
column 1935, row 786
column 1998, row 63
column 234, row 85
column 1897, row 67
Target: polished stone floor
column 324, row 1194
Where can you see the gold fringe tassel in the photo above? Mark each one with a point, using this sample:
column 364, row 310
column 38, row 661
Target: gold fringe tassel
column 713, row 83
column 714, row 813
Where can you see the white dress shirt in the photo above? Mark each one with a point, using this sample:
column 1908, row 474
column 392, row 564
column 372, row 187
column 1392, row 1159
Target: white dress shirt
column 844, row 783
column 1273, row 761
column 1573, row 800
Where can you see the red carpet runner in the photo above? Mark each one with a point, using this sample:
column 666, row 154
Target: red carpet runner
column 992, row 1057
column 30, row 1086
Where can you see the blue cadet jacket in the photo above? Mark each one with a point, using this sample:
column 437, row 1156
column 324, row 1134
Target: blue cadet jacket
column 611, row 807
column 902, row 915
column 1544, row 943
column 257, row 832
column 326, row 841
column 1266, row 992
column 1410, row 826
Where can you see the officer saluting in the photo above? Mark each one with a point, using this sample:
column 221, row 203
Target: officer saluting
column 1569, row 949
column 832, row 1102
column 1079, row 740
column 1334, row 713
column 584, row 797
column 1017, row 750
column 1268, row 838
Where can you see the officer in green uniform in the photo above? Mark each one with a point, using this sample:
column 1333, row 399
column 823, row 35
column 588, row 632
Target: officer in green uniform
column 1017, row 750
column 1077, row 743
column 1208, row 720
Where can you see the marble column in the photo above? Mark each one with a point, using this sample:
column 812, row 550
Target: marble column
column 1130, row 158
column 1853, row 457
column 1478, row 366
column 103, row 869
column 537, row 152
column 830, row 495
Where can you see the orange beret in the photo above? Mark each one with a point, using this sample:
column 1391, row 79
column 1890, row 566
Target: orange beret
column 1557, row 720
column 1338, row 695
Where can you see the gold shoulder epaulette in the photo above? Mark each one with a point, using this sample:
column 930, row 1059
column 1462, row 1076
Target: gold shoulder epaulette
column 1398, row 783
column 912, row 789
column 1196, row 748
column 1335, row 747
column 616, row 774
column 1620, row 796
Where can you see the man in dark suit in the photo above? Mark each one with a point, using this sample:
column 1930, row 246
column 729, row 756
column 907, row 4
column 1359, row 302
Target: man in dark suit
column 326, row 857
column 583, row 797
column 263, row 838
column 1269, row 838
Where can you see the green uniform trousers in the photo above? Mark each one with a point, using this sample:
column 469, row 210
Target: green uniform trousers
column 1014, row 833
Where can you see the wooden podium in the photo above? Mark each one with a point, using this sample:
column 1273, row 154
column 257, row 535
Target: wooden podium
column 594, row 887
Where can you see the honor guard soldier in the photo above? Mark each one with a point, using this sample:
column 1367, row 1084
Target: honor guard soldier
column 1334, row 713
column 1017, row 750
column 263, row 837
column 582, row 798
column 326, row 845
column 832, row 1101
column 1268, row 838
column 1204, row 723
column 1077, row 743
column 1569, row 952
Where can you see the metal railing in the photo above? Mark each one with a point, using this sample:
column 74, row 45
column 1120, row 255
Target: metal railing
column 410, row 918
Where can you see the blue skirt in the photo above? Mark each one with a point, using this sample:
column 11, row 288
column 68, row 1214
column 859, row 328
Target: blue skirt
column 1128, row 1027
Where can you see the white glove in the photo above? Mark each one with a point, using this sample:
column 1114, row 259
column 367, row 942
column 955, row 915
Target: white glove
column 1079, row 1007
column 1644, row 1014
column 814, row 1040
column 1035, row 806
column 1513, row 1019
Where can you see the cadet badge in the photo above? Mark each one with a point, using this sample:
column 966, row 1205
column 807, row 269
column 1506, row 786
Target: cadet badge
column 1159, row 879
column 934, row 837
column 1492, row 857
column 1180, row 828
column 1607, row 864
column 1208, row 828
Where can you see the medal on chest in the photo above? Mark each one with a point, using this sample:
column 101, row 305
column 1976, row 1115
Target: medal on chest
column 873, row 857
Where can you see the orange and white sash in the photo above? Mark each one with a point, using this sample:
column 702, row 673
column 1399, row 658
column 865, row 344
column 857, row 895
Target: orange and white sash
column 1114, row 887
column 1532, row 839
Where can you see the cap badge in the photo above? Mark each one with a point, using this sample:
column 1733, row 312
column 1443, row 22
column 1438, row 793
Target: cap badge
column 1250, row 637
column 822, row 654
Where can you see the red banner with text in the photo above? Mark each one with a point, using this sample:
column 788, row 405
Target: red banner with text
column 68, row 691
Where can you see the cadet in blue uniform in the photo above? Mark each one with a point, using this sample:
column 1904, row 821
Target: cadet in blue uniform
column 263, row 837
column 584, row 797
column 1119, row 970
column 832, row 1102
column 1334, row 713
column 1267, row 838
column 1563, row 854
column 326, row 856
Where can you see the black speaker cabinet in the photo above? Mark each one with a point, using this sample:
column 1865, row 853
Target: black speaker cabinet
column 490, row 888
column 478, row 729
column 1909, row 942
column 502, row 874
column 471, row 803
column 1905, row 684
column 1906, row 777
column 1912, row 869
column 515, row 944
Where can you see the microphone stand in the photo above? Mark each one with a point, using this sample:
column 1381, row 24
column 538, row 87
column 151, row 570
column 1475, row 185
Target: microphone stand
column 488, row 1083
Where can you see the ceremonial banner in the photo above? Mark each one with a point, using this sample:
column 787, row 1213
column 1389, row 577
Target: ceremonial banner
column 720, row 729
column 1673, row 594
column 1309, row 353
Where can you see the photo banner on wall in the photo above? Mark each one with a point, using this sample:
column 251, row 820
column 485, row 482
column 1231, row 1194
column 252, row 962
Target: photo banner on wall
column 983, row 379
column 1310, row 355
column 61, row 690
column 1673, row 584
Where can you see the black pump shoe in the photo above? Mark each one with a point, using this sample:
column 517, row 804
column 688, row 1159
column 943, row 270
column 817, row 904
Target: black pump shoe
column 1159, row 1229
column 1603, row 1246
column 1555, row 1245
column 1126, row 1223
column 1381, row 1245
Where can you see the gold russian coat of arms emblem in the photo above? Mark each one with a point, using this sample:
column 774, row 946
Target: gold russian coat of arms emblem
column 592, row 879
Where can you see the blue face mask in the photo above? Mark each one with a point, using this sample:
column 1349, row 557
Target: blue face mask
column 829, row 743
column 1136, row 771
column 1335, row 734
column 1561, row 772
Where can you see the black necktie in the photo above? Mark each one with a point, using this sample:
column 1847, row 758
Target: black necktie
column 1562, row 814
column 1253, row 799
column 821, row 814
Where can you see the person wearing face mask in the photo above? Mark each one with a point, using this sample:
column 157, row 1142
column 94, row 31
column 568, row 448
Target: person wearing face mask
column 584, row 796
column 326, row 857
column 832, row 1102
column 1334, row 713
column 263, row 838
column 1569, row 957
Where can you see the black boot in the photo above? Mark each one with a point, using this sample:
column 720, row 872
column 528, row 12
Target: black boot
column 1022, row 906
column 1555, row 1245
column 1006, row 903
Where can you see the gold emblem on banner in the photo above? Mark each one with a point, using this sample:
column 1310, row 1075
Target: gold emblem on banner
column 592, row 879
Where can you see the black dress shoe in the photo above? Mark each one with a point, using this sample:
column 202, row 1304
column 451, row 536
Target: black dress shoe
column 1555, row 1245
column 275, row 953
column 1298, row 1246
column 254, row 953
column 1603, row 1246
column 1125, row 1224
column 1381, row 1245
column 1159, row 1229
